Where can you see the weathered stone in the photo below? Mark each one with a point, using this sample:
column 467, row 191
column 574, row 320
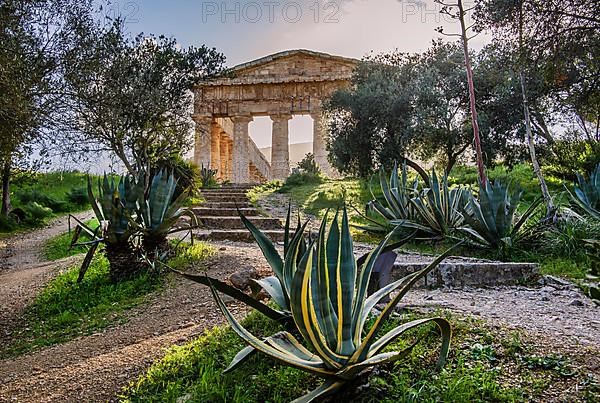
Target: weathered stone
column 291, row 82
column 241, row 279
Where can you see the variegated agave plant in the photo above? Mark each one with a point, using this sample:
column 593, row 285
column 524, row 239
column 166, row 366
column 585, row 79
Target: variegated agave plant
column 329, row 305
column 586, row 195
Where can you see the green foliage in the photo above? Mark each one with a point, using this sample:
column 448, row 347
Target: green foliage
column 66, row 309
column 59, row 246
column 194, row 370
column 186, row 173
column 566, row 237
column 35, row 195
column 569, row 157
column 186, row 255
column 331, row 314
column 78, row 196
column 491, row 218
column 586, row 196
column 208, row 177
column 36, row 213
column 300, row 179
column 309, row 165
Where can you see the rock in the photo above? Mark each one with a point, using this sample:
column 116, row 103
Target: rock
column 547, row 289
column 555, row 282
column 576, row 302
column 241, row 279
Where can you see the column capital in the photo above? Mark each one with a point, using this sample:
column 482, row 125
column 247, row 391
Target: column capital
column 242, row 118
column 280, row 116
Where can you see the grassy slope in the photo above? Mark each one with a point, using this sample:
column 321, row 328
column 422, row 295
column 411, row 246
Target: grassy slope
column 484, row 365
column 53, row 184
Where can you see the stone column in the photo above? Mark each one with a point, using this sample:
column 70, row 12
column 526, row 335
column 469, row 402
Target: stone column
column 224, row 148
column 230, row 159
column 215, row 148
column 319, row 143
column 202, row 146
column 241, row 152
column 280, row 148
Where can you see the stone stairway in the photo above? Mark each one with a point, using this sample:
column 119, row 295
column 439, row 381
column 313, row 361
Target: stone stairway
column 219, row 220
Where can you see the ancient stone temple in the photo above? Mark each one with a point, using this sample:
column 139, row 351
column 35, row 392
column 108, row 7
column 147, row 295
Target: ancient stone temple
column 289, row 83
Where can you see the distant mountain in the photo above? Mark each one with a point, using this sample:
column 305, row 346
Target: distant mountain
column 297, row 152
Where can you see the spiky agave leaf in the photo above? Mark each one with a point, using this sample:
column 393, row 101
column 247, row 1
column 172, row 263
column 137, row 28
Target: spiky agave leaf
column 329, row 306
column 586, row 194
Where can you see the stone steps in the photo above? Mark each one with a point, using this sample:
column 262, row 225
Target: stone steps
column 217, row 198
column 227, row 205
column 216, row 222
column 236, row 235
column 224, row 211
column 219, row 220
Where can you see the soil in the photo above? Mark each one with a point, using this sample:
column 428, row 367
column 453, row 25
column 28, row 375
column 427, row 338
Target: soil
column 97, row 367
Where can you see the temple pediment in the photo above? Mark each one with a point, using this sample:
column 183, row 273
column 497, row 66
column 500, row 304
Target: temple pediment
column 288, row 67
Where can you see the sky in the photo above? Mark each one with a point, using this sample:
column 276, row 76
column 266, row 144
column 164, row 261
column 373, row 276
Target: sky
column 246, row 30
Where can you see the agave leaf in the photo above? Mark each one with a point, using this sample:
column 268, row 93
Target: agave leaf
column 443, row 325
column 236, row 294
column 363, row 350
column 349, row 372
column 273, row 287
column 266, row 246
column 241, row 357
column 304, row 313
column 87, row 260
column 327, row 388
column 287, row 358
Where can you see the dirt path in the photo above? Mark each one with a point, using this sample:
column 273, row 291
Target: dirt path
column 96, row 367
column 23, row 271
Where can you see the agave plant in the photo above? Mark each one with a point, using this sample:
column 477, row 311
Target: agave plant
column 397, row 208
column 158, row 214
column 438, row 208
column 330, row 307
column 586, row 196
column 113, row 207
column 492, row 220
column 277, row 285
column 207, row 176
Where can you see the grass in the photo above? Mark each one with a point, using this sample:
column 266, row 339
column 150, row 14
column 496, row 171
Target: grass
column 65, row 309
column 315, row 198
column 59, row 246
column 485, row 365
column 49, row 190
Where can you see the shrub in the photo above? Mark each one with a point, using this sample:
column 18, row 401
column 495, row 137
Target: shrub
column 186, row 173
column 567, row 237
column 8, row 224
column 302, row 178
column 36, row 196
column 78, row 196
column 308, row 165
column 36, row 213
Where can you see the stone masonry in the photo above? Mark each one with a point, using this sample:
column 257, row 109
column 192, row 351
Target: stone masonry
column 279, row 86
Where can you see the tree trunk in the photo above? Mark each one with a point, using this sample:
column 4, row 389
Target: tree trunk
column 534, row 161
column 123, row 262
column 6, row 206
column 465, row 41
